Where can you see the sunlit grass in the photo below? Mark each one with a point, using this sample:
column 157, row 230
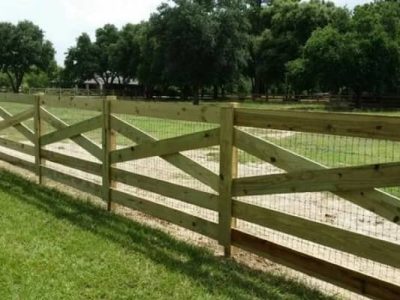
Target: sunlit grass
column 56, row 247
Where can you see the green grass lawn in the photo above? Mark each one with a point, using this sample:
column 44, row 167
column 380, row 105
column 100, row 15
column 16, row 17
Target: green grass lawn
column 55, row 247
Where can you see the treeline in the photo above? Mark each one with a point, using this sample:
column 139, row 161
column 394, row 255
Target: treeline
column 193, row 48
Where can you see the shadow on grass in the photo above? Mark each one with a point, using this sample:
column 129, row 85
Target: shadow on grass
column 218, row 276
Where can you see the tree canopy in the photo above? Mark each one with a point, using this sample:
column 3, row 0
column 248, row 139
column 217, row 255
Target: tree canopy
column 246, row 46
column 23, row 49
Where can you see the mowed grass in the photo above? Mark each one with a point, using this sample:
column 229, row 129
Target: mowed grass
column 56, row 247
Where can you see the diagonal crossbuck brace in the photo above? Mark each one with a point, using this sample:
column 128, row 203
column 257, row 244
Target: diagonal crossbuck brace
column 332, row 180
column 79, row 139
column 167, row 146
column 72, row 131
column 379, row 202
column 20, row 127
column 16, row 119
column 178, row 160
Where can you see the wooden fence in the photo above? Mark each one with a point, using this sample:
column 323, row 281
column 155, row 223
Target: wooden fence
column 356, row 184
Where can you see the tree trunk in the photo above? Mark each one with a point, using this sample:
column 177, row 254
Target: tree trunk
column 19, row 78
column 196, row 99
column 215, row 92
column 358, row 101
column 13, row 85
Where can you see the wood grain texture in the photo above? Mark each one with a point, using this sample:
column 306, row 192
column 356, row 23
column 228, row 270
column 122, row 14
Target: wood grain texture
column 228, row 170
column 109, row 145
column 356, row 125
column 18, row 162
column 168, row 214
column 72, row 131
column 354, row 243
column 168, row 146
column 17, row 98
column 178, row 160
column 38, row 128
column 21, row 128
column 170, row 110
column 332, row 180
column 74, row 102
column 80, row 140
column 354, row 281
column 17, row 146
column 17, row 119
column 73, row 162
column 378, row 202
column 72, row 181
column 167, row 189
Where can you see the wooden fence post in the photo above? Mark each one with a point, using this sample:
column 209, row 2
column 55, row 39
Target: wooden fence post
column 228, row 171
column 38, row 128
column 109, row 144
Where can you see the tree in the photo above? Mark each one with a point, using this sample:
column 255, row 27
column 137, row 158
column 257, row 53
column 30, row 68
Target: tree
column 299, row 76
column 4, row 82
column 231, row 44
column 41, row 79
column 94, row 60
column 327, row 47
column 81, row 62
column 363, row 59
column 151, row 65
column 104, row 46
column 289, row 25
column 375, row 35
column 23, row 49
column 186, row 35
column 126, row 53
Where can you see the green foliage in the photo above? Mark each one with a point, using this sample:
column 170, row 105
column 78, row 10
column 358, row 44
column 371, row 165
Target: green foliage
column 23, row 49
column 94, row 60
column 365, row 58
column 189, row 46
column 126, row 52
column 186, row 35
column 4, row 81
column 289, row 24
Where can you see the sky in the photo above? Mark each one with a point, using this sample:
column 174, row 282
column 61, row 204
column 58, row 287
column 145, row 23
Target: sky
column 64, row 20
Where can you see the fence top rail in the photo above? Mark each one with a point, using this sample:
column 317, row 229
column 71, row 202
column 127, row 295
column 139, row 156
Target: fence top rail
column 17, row 98
column 169, row 110
column 344, row 124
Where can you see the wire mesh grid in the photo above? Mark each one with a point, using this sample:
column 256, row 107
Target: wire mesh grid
column 69, row 147
column 325, row 207
column 158, row 168
column 12, row 134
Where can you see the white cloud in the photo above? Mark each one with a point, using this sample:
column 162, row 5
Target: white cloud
column 95, row 13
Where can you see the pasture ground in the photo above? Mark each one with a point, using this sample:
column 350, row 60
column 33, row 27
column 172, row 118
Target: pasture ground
column 56, row 247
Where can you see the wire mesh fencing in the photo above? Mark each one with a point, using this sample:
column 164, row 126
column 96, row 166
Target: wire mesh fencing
column 325, row 207
column 75, row 147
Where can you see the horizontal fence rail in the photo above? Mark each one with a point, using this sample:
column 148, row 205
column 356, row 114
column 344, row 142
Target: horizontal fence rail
column 111, row 151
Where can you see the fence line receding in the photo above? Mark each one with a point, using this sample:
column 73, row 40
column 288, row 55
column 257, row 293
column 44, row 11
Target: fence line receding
column 316, row 192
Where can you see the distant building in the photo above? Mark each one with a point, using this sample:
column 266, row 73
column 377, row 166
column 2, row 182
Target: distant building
column 130, row 89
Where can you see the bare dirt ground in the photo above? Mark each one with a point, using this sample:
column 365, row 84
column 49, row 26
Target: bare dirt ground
column 321, row 207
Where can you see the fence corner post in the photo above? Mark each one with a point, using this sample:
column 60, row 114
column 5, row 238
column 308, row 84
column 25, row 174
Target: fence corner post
column 228, row 171
column 108, row 145
column 38, row 128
